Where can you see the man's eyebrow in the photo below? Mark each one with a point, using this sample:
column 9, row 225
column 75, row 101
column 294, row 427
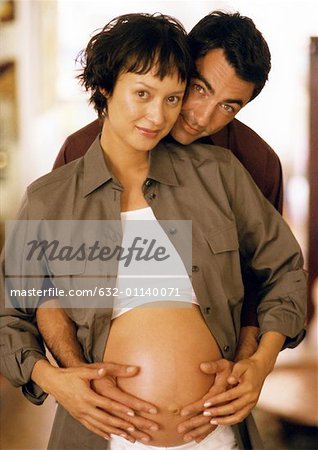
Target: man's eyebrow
column 200, row 77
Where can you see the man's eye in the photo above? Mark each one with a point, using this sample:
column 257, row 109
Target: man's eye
column 173, row 99
column 143, row 94
column 197, row 88
column 227, row 108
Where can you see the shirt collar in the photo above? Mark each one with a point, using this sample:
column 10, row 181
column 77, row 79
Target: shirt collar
column 97, row 173
column 160, row 165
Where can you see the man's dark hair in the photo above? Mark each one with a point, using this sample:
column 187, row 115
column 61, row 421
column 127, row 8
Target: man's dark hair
column 133, row 43
column 243, row 45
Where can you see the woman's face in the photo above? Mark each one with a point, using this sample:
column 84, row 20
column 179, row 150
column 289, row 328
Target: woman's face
column 142, row 110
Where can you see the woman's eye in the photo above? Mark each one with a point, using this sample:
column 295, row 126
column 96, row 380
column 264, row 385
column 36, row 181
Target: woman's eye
column 173, row 99
column 143, row 94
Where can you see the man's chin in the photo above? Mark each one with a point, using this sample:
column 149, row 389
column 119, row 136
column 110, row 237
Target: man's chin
column 182, row 138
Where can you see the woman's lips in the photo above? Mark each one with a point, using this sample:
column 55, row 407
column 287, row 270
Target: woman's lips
column 148, row 132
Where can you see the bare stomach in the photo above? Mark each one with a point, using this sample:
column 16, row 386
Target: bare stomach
column 168, row 345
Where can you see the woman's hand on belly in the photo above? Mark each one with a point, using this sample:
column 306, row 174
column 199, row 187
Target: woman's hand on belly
column 109, row 389
column 199, row 426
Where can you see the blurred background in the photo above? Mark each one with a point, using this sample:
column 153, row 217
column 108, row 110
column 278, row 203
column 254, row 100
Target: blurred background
column 41, row 103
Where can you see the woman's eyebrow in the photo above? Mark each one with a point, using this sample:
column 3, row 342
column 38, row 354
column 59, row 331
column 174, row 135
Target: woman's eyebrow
column 148, row 86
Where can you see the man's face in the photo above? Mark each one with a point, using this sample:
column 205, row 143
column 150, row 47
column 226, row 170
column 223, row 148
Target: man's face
column 215, row 97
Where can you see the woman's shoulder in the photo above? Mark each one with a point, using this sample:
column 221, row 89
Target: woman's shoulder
column 59, row 177
column 200, row 151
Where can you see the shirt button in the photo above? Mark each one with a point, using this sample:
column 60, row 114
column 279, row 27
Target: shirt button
column 226, row 348
column 148, row 182
column 151, row 196
column 173, row 230
column 195, row 269
column 207, row 310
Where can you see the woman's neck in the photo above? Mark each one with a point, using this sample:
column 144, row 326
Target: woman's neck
column 124, row 162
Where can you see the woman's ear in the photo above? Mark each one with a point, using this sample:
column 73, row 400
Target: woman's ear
column 104, row 92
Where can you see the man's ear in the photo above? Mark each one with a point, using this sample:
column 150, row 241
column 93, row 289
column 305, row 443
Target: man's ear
column 104, row 92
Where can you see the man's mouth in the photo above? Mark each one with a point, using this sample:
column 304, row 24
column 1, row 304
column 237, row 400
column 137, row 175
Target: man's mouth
column 189, row 128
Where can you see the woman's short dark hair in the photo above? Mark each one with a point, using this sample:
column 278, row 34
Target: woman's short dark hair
column 133, row 43
column 243, row 44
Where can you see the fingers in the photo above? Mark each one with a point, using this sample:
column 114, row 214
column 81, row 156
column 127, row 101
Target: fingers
column 193, row 408
column 233, row 419
column 130, row 401
column 212, row 367
column 238, row 371
column 190, row 424
column 120, row 370
column 141, row 423
column 99, row 370
column 198, row 429
column 105, row 430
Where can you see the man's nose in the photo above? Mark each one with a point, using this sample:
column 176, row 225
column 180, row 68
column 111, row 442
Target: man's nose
column 203, row 114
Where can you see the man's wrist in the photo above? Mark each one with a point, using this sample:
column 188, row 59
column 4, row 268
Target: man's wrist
column 248, row 342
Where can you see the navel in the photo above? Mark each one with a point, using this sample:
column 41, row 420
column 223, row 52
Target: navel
column 174, row 409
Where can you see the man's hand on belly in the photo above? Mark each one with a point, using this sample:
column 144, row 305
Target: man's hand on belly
column 199, row 426
column 110, row 413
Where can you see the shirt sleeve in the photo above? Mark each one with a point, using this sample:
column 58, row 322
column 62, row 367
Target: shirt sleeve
column 21, row 343
column 269, row 249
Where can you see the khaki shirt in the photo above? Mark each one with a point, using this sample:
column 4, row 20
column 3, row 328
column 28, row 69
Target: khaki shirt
column 232, row 225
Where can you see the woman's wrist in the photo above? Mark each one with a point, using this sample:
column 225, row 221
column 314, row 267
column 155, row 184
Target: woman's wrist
column 268, row 349
column 42, row 374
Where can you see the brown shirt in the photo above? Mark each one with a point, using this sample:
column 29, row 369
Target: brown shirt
column 232, row 222
column 252, row 151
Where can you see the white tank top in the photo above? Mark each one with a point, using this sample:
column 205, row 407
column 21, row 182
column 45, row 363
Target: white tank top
column 129, row 292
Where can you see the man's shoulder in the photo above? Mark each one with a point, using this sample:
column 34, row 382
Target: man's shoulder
column 245, row 138
column 88, row 132
column 77, row 143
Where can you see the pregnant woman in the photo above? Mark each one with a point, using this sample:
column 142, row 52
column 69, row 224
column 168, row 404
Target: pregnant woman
column 137, row 69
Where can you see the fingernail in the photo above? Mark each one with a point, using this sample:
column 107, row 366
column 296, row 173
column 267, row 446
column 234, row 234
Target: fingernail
column 207, row 413
column 213, row 422
column 123, row 435
column 131, row 413
column 131, row 369
column 107, row 438
column 184, row 413
column 131, row 429
column 145, row 439
column 154, row 428
column 152, row 411
column 101, row 371
column 207, row 404
column 188, row 439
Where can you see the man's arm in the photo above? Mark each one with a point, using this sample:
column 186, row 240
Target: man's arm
column 104, row 409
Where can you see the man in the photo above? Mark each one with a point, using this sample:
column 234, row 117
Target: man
column 226, row 80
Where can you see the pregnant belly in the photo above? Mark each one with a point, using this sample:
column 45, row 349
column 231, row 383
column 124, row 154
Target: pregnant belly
column 168, row 345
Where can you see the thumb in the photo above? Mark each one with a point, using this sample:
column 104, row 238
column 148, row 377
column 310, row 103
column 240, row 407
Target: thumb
column 209, row 367
column 213, row 367
column 237, row 372
column 117, row 370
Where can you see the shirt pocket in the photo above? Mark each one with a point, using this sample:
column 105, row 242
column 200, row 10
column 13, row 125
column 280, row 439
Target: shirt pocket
column 224, row 250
